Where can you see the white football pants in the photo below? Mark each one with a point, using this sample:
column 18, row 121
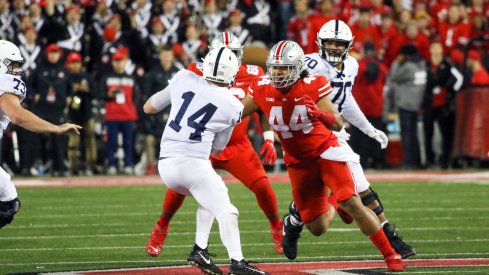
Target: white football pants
column 7, row 188
column 195, row 177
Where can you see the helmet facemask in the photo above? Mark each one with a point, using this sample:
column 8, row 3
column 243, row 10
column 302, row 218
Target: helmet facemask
column 282, row 75
column 14, row 67
column 334, row 56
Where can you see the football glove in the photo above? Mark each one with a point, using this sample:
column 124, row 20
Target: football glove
column 327, row 118
column 268, row 149
column 380, row 137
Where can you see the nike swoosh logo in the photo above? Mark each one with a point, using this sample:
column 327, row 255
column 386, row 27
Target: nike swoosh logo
column 207, row 261
column 239, row 83
column 297, row 99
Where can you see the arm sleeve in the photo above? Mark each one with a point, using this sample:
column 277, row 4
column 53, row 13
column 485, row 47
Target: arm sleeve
column 352, row 113
column 161, row 99
column 221, row 139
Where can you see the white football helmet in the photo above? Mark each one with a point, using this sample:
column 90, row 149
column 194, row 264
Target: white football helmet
column 11, row 59
column 287, row 54
column 337, row 31
column 230, row 41
column 221, row 66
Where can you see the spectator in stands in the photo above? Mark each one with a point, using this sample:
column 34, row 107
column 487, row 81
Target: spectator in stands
column 480, row 76
column 406, row 85
column 454, row 31
column 52, row 94
column 425, row 24
column 326, row 13
column 152, row 126
column 97, row 24
column 479, row 26
column 378, row 8
column 285, row 12
column 298, row 26
column 140, row 15
column 194, row 48
column 30, row 49
column 72, row 33
column 388, row 34
column 257, row 19
column 368, row 92
column 404, row 19
column 213, row 19
column 19, row 10
column 439, row 105
column 80, row 112
column 236, row 27
column 6, row 20
column 364, row 32
column 157, row 40
column 120, row 92
column 171, row 20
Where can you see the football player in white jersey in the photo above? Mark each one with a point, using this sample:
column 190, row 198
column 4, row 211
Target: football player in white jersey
column 12, row 92
column 333, row 61
column 201, row 120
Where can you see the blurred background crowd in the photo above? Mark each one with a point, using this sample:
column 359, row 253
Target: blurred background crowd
column 96, row 62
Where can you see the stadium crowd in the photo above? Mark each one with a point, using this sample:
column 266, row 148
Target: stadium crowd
column 95, row 63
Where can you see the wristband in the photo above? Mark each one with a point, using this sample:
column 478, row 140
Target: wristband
column 269, row 135
column 327, row 118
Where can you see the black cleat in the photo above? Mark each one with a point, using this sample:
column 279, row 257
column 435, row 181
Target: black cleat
column 397, row 243
column 244, row 268
column 201, row 259
column 291, row 234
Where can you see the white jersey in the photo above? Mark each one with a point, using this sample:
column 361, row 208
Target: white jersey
column 14, row 85
column 199, row 112
column 342, row 83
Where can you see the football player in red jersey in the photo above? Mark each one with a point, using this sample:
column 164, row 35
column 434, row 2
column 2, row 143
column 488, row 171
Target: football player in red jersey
column 238, row 158
column 302, row 115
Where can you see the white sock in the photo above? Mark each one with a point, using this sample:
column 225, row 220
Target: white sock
column 204, row 225
column 229, row 231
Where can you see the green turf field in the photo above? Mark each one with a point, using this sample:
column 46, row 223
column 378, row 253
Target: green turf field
column 61, row 229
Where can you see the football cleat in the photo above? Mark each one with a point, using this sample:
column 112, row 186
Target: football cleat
column 201, row 259
column 291, row 234
column 156, row 240
column 244, row 268
column 396, row 241
column 394, row 262
column 277, row 238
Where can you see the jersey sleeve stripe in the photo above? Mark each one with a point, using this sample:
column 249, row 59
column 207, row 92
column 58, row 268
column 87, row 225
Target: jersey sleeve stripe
column 326, row 93
column 327, row 86
column 250, row 92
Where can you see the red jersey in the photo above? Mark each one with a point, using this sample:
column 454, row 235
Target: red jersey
column 301, row 138
column 246, row 74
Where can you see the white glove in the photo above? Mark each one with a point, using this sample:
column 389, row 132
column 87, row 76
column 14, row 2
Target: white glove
column 380, row 137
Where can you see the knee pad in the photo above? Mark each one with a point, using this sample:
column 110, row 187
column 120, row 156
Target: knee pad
column 7, row 211
column 294, row 212
column 370, row 198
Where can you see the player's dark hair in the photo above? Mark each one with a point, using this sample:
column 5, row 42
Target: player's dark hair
column 303, row 74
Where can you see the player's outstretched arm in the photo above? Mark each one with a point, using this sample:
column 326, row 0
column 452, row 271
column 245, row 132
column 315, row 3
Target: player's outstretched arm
column 10, row 106
column 249, row 106
column 157, row 102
